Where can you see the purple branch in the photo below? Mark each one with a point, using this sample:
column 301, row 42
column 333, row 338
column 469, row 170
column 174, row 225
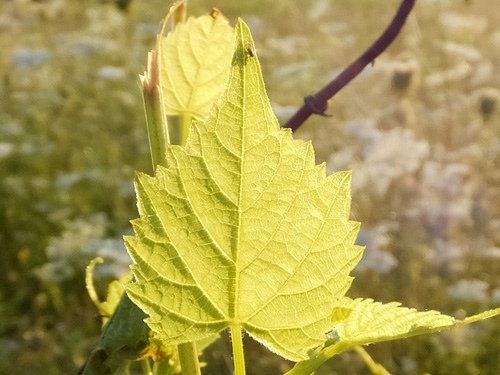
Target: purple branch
column 318, row 102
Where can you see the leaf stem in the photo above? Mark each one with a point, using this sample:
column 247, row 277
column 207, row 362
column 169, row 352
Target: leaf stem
column 146, row 367
column 185, row 120
column 188, row 357
column 320, row 356
column 156, row 122
column 89, row 281
column 238, row 354
column 375, row 368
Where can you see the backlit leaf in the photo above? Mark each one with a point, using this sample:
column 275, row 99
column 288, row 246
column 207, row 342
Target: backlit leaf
column 194, row 60
column 371, row 322
column 243, row 229
column 363, row 321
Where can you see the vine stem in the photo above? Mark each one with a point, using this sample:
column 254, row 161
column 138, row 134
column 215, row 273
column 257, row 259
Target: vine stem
column 155, row 120
column 238, row 354
column 159, row 139
column 374, row 367
column 321, row 356
column 318, row 102
column 185, row 119
column 188, row 357
column 146, row 367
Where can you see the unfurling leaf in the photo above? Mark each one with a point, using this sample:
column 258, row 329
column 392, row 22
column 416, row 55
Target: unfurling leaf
column 363, row 321
column 194, row 62
column 370, row 322
column 243, row 229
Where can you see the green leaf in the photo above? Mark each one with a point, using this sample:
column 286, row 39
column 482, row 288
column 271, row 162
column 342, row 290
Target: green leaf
column 113, row 297
column 114, row 294
column 127, row 338
column 363, row 321
column 195, row 59
column 123, row 338
column 243, row 230
column 371, row 322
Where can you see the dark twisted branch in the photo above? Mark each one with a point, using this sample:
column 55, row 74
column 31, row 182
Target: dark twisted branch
column 318, row 102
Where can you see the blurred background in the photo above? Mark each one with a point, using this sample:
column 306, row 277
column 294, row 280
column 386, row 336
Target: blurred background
column 420, row 129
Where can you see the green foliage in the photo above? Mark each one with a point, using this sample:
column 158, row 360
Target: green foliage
column 122, row 340
column 236, row 231
column 71, row 135
column 195, row 59
column 242, row 230
column 363, row 321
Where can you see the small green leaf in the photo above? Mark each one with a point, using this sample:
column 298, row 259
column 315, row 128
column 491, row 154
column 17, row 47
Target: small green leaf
column 114, row 294
column 122, row 339
column 243, row 229
column 194, row 60
column 370, row 322
column 482, row 316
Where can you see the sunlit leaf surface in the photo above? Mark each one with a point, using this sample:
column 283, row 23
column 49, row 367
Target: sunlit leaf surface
column 243, row 229
column 364, row 321
column 195, row 59
column 370, row 321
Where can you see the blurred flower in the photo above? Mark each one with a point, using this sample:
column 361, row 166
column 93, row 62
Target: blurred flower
column 82, row 241
column 110, row 73
column 469, row 290
column 26, row 58
column 318, row 9
column 484, row 70
column 114, row 253
column 295, row 70
column 495, row 295
column 66, row 181
column 11, row 129
column 5, row 149
column 445, row 253
column 86, row 46
column 147, row 29
column 374, row 257
column 462, row 51
column 456, row 73
column 283, row 113
column 408, row 365
column 463, row 27
column 385, row 155
column 491, row 252
column 446, row 196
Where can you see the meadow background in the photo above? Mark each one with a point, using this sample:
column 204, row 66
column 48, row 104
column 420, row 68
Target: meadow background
column 420, row 129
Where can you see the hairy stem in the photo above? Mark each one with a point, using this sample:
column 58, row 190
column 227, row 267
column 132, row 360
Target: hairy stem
column 89, row 282
column 374, row 367
column 238, row 354
column 317, row 359
column 185, row 123
column 155, row 120
column 188, row 357
column 318, row 102
column 146, row 367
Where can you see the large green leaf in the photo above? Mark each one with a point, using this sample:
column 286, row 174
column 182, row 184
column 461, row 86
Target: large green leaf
column 242, row 229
